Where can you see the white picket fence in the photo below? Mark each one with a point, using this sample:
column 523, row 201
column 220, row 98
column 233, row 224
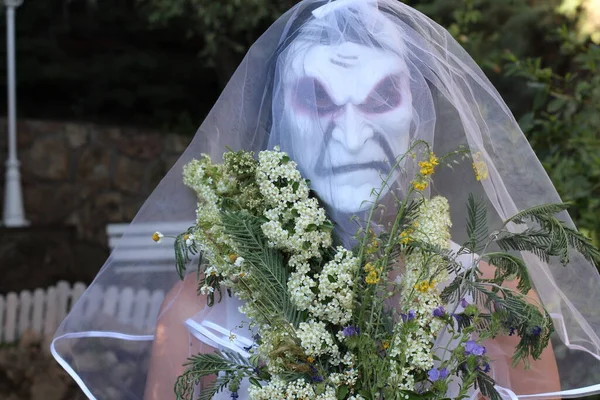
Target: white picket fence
column 43, row 309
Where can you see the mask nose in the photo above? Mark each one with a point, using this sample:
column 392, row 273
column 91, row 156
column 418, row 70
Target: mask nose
column 351, row 129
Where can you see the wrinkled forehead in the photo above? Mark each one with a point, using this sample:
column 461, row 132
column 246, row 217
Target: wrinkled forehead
column 346, row 70
column 348, row 55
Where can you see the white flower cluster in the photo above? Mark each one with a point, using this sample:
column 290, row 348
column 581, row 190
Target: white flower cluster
column 209, row 235
column 300, row 286
column 412, row 351
column 279, row 389
column 295, row 223
column 335, row 299
column 348, row 377
column 431, row 226
column 286, row 194
column 316, row 340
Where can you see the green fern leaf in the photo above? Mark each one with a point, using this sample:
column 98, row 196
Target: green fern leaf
column 486, row 386
column 509, row 267
column 477, row 230
column 537, row 212
column 584, row 246
column 268, row 276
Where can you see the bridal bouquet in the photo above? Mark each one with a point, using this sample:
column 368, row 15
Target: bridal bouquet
column 395, row 317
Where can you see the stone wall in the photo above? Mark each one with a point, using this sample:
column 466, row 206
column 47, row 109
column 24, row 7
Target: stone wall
column 86, row 175
column 77, row 177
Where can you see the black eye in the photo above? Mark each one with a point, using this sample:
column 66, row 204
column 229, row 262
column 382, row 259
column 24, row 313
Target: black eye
column 312, row 96
column 385, row 97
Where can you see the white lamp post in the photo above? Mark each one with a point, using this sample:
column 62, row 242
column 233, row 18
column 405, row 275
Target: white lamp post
column 14, row 215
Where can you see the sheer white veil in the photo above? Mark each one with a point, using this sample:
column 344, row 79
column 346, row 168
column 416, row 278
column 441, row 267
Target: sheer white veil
column 452, row 103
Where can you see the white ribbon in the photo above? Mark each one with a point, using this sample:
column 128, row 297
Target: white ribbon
column 337, row 4
column 204, row 332
column 211, row 334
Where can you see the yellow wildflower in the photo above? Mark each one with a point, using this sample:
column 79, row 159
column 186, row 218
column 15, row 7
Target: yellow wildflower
column 373, row 244
column 433, row 159
column 425, row 286
column 232, row 258
column 385, row 344
column 480, row 167
column 481, row 170
column 372, row 247
column 427, row 167
column 404, row 236
column 373, row 273
column 419, row 185
column 310, row 359
column 372, row 278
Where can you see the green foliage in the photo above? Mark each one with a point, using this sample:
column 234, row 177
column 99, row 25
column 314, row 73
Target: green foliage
column 227, row 28
column 477, row 229
column 564, row 123
column 509, row 267
column 104, row 65
column 510, row 310
column 233, row 365
column 267, row 281
column 550, row 79
column 373, row 332
column 486, row 386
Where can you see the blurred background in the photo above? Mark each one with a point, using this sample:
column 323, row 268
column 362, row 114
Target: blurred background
column 110, row 92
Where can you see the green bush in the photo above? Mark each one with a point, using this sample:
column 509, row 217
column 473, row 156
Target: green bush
column 106, row 65
column 563, row 126
column 549, row 78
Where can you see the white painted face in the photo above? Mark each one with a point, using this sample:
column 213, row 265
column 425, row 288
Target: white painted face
column 348, row 109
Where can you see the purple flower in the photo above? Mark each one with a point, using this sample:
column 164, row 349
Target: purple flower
column 234, row 395
column 436, row 374
column 439, row 312
column 485, row 368
column 351, row 330
column 317, row 378
column 409, row 317
column 536, row 331
column 464, row 303
column 471, row 347
column 511, row 331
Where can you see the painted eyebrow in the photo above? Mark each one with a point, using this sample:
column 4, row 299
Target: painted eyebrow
column 339, row 63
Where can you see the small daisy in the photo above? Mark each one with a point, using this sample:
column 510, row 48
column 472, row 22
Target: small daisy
column 157, row 237
column 207, row 289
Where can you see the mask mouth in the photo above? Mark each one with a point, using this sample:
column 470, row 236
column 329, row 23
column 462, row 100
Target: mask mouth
column 384, row 167
column 381, row 166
